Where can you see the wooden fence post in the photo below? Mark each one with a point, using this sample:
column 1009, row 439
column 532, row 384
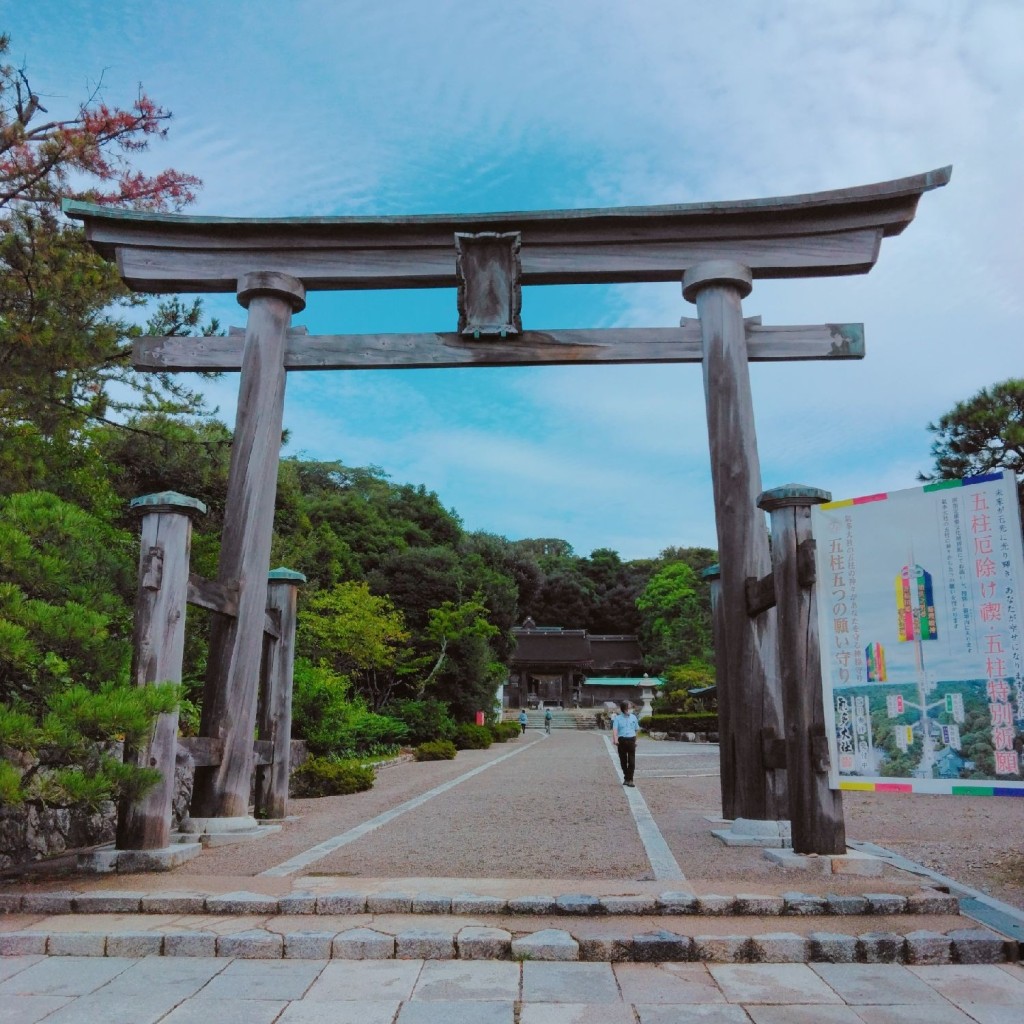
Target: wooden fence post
column 748, row 648
column 236, row 644
column 815, row 810
column 275, row 711
column 159, row 646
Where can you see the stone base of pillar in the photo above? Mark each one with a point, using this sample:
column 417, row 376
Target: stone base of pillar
column 107, row 860
column 754, row 832
column 851, row 863
column 224, row 831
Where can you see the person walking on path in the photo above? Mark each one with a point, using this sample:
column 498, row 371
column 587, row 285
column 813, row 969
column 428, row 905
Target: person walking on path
column 624, row 730
column 547, row 721
column 522, row 722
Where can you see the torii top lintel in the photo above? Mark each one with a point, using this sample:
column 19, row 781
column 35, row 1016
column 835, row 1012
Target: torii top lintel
column 818, row 234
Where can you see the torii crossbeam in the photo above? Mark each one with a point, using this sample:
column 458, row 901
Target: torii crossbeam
column 717, row 249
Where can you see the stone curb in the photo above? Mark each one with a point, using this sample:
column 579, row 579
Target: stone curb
column 961, row 946
column 795, row 904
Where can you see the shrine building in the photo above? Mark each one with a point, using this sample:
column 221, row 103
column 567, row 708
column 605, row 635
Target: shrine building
column 573, row 668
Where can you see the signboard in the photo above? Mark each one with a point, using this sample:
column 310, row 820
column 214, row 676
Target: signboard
column 920, row 619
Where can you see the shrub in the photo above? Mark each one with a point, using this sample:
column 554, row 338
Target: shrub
column 703, row 721
column 435, row 750
column 501, row 732
column 425, row 720
column 332, row 720
column 330, row 776
column 472, row 737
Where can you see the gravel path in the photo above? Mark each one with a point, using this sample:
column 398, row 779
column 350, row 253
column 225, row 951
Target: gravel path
column 557, row 810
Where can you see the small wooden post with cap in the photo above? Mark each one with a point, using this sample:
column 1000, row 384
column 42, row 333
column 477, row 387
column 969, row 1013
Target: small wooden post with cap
column 159, row 647
column 275, row 703
column 815, row 810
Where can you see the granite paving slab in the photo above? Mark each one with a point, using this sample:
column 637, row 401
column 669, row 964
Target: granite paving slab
column 363, row 1011
column 476, row 979
column 577, row 1013
column 204, row 1009
column 458, row 1012
column 973, row 983
column 864, row 984
column 696, row 1013
column 276, row 979
column 667, row 983
column 771, row 983
column 64, row 976
column 362, row 980
column 569, row 983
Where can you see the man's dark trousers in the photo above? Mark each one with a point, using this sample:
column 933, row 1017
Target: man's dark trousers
column 627, row 757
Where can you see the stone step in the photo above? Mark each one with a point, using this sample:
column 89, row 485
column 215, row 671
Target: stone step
column 923, row 902
column 475, row 942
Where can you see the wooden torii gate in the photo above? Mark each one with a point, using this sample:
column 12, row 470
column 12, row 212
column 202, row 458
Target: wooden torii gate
column 716, row 249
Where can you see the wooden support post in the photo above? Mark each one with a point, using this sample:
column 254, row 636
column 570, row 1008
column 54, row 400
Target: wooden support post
column 236, row 644
column 159, row 646
column 275, row 706
column 749, row 648
column 815, row 810
column 725, row 697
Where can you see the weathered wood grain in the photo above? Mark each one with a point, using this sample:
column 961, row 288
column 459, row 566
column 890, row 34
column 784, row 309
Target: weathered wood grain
column 236, row 644
column 815, row 810
column 531, row 348
column 835, row 232
column 151, row 269
column 158, row 649
column 274, row 720
column 726, row 696
column 749, row 649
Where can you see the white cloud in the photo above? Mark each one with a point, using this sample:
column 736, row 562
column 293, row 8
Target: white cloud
column 314, row 108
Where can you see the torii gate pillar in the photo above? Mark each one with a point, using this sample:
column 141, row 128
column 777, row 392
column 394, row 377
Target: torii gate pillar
column 236, row 643
column 747, row 651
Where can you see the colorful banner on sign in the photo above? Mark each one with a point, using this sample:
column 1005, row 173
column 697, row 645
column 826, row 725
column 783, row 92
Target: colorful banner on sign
column 920, row 619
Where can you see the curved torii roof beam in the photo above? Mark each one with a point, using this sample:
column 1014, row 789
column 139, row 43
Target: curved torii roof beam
column 817, row 234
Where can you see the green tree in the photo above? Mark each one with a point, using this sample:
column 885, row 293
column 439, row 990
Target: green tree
column 675, row 623
column 358, row 635
column 466, row 672
column 66, row 579
column 980, row 435
column 64, row 330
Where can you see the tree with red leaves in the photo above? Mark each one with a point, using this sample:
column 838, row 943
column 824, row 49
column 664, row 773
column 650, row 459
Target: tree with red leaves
column 65, row 338
column 41, row 160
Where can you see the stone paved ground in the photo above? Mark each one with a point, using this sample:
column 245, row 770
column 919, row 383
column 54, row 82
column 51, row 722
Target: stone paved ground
column 538, row 816
column 76, row 990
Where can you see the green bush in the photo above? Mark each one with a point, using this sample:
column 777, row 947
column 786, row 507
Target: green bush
column 332, row 720
column 702, row 721
column 330, row 776
column 435, row 750
column 472, row 737
column 425, row 720
column 501, row 732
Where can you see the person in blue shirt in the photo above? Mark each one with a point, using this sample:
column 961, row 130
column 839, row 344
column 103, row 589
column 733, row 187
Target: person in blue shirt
column 624, row 729
column 547, row 721
column 522, row 722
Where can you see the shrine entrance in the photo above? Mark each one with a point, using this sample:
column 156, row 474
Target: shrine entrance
column 717, row 250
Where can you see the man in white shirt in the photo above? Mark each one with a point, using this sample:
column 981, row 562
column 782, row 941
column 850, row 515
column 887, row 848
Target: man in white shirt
column 624, row 729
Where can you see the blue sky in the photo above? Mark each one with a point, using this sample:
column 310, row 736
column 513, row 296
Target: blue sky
column 322, row 108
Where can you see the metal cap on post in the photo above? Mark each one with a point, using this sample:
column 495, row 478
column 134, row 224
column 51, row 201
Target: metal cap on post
column 167, row 502
column 791, row 495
